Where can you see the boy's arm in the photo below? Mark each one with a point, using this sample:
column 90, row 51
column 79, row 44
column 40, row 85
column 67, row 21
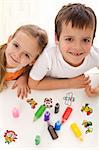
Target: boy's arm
column 48, row 83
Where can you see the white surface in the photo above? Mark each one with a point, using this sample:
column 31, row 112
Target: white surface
column 27, row 129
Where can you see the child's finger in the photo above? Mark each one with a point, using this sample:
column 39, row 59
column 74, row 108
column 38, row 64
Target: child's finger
column 25, row 92
column 22, row 93
column 90, row 92
column 29, row 90
column 87, row 90
column 86, row 78
column 97, row 89
column 93, row 90
column 18, row 92
column 14, row 86
column 87, row 82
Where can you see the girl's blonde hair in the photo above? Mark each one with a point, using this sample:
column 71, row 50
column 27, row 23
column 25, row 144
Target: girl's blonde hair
column 31, row 30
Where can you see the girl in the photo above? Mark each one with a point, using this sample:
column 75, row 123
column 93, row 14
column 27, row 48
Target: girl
column 20, row 52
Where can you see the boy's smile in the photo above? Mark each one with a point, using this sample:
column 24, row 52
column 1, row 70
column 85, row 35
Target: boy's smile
column 75, row 43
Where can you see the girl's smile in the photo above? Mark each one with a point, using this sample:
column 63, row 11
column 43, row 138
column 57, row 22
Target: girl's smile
column 21, row 50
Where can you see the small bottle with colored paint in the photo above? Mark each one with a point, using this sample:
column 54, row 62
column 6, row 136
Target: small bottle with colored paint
column 47, row 116
column 57, row 106
column 66, row 114
column 52, row 132
column 37, row 140
column 15, row 112
column 58, row 125
column 39, row 112
column 76, row 131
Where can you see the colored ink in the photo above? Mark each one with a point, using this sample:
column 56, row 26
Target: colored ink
column 57, row 108
column 15, row 112
column 52, row 132
column 39, row 112
column 46, row 116
column 37, row 140
column 76, row 131
column 57, row 125
column 66, row 114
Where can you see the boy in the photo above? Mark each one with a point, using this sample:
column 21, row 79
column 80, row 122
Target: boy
column 73, row 55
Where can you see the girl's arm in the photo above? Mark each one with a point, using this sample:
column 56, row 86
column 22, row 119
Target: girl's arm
column 22, row 84
column 48, row 83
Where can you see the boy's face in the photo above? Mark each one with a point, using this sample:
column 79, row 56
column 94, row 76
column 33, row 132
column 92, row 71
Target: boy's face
column 75, row 43
column 21, row 50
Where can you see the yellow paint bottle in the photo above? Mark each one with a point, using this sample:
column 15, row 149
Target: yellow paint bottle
column 76, row 131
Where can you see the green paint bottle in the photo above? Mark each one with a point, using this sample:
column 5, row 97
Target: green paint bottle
column 39, row 112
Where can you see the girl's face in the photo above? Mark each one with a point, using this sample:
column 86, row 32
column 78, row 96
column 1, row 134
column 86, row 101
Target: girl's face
column 21, row 50
column 75, row 43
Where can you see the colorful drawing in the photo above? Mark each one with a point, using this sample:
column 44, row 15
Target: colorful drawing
column 87, row 109
column 48, row 102
column 32, row 102
column 87, row 125
column 69, row 98
column 10, row 136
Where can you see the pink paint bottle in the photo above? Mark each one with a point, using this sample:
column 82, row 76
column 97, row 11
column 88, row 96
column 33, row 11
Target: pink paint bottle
column 15, row 112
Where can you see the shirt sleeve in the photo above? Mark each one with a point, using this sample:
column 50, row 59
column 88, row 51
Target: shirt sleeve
column 40, row 68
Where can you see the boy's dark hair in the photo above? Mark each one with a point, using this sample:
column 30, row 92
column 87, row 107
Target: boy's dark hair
column 78, row 14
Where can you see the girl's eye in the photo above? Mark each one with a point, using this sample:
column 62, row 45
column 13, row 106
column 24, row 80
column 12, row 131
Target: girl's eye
column 16, row 45
column 26, row 55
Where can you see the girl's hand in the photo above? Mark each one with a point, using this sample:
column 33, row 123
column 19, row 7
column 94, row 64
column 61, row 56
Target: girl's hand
column 92, row 91
column 22, row 87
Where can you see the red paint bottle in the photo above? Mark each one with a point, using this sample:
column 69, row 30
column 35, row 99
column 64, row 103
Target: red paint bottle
column 66, row 114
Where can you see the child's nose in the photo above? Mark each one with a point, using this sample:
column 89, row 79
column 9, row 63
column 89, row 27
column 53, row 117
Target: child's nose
column 17, row 56
column 77, row 45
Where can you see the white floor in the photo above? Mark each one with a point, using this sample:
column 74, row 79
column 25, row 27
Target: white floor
column 26, row 129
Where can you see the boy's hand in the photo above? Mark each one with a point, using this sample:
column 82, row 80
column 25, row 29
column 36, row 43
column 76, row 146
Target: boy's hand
column 80, row 82
column 92, row 91
column 97, row 89
column 22, row 87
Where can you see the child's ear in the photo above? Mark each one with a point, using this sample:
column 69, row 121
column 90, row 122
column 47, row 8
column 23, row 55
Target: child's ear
column 56, row 39
column 10, row 38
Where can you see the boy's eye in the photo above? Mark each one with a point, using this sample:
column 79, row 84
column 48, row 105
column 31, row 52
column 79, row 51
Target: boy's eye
column 86, row 40
column 69, row 39
column 16, row 45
